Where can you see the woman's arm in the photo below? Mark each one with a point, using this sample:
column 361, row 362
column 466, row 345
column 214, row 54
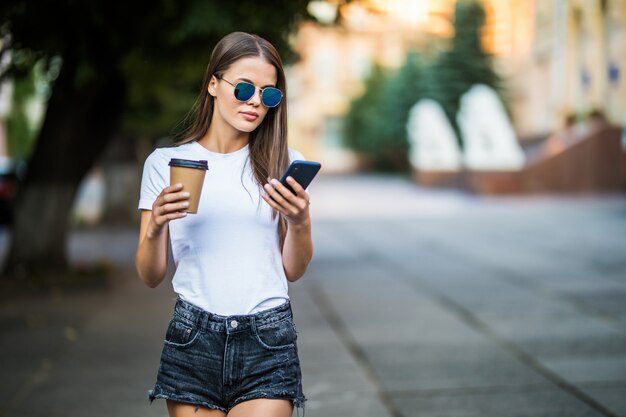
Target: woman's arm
column 298, row 246
column 151, row 256
column 297, row 250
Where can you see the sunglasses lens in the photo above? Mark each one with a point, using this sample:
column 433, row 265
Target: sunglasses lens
column 243, row 91
column 271, row 96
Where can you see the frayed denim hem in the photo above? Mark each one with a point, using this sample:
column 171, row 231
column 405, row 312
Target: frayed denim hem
column 297, row 402
column 184, row 399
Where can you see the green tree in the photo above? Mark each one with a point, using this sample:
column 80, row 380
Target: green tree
column 358, row 134
column 376, row 122
column 465, row 64
column 136, row 65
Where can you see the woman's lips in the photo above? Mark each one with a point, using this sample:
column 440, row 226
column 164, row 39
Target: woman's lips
column 250, row 116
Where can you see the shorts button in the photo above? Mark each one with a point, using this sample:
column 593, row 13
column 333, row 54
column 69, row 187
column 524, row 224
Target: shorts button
column 234, row 324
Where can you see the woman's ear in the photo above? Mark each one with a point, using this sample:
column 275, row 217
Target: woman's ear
column 211, row 88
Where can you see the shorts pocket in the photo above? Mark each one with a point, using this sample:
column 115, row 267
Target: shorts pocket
column 180, row 333
column 276, row 336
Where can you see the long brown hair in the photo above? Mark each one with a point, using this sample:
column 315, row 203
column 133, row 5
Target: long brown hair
column 269, row 155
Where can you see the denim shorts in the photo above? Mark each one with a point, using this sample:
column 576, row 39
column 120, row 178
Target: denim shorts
column 217, row 361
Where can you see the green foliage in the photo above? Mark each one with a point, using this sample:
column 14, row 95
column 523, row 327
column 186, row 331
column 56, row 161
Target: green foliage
column 160, row 47
column 164, row 77
column 21, row 130
column 465, row 64
column 376, row 122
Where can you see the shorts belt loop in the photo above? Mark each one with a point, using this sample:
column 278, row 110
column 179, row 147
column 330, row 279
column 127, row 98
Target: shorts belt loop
column 202, row 319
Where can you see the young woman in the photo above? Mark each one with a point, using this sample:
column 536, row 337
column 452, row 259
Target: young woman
column 230, row 348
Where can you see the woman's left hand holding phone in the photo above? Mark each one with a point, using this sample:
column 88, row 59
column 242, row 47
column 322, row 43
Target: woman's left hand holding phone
column 293, row 207
column 298, row 247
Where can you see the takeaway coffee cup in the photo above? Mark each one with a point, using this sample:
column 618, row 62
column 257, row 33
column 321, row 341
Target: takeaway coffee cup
column 190, row 173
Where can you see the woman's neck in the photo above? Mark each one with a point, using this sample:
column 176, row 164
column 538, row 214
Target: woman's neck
column 224, row 140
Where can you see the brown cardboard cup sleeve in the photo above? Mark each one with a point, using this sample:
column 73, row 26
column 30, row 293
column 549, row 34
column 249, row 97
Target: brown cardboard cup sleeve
column 191, row 174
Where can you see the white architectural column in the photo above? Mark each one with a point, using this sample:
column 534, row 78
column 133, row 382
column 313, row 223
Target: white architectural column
column 490, row 144
column 434, row 145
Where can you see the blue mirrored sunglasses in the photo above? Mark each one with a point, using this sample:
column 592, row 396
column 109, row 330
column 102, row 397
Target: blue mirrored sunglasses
column 270, row 96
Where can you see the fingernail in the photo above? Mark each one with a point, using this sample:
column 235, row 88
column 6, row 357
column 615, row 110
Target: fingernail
column 185, row 194
column 185, row 204
column 179, row 185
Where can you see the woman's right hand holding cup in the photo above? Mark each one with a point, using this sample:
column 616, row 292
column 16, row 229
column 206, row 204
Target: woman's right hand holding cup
column 168, row 206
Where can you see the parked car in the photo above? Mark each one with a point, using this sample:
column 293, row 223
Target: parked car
column 8, row 188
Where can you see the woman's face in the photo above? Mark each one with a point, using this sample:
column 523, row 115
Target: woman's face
column 242, row 116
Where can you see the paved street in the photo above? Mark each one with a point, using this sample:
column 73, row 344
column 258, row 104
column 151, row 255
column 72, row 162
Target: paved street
column 418, row 303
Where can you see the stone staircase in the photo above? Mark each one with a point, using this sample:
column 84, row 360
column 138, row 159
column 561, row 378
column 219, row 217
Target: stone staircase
column 585, row 158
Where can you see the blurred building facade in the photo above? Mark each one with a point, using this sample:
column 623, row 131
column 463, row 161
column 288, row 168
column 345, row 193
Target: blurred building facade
column 572, row 63
column 558, row 57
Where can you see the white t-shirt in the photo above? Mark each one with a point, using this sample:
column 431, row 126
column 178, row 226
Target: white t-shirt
column 227, row 256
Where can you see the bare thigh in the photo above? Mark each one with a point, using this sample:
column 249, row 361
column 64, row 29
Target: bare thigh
column 262, row 407
column 176, row 409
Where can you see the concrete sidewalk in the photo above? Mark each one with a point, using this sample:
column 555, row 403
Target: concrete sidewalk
column 418, row 303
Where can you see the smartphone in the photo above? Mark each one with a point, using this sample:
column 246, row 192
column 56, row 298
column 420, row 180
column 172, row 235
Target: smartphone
column 301, row 171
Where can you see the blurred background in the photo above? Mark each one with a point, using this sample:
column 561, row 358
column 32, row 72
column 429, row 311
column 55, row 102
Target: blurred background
column 470, row 216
